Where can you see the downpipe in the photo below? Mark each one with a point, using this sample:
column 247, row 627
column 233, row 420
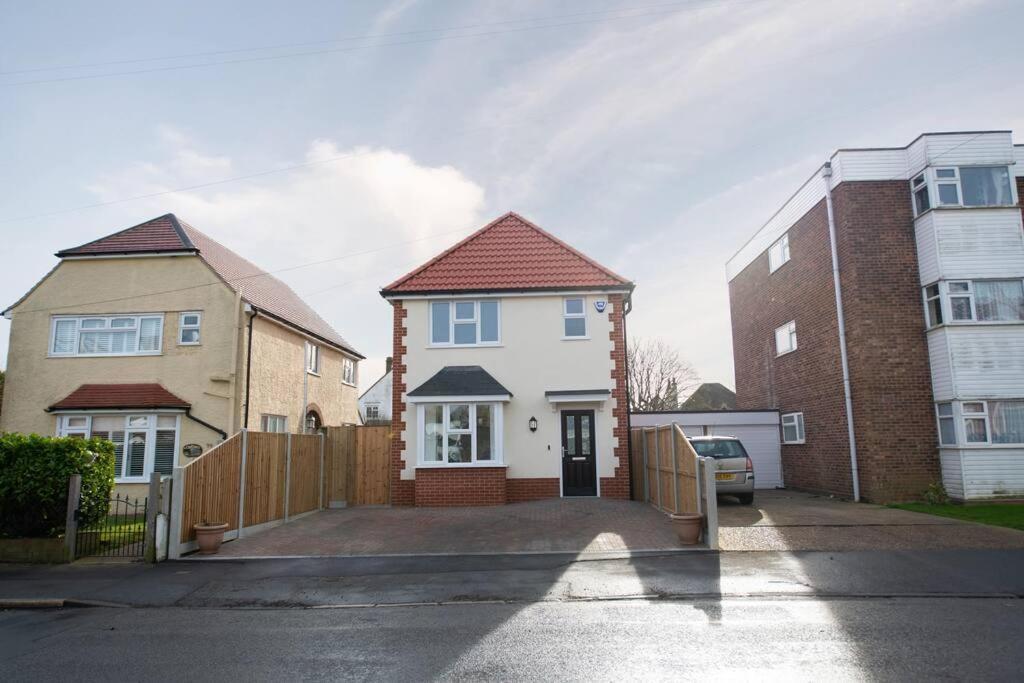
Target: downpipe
column 826, row 174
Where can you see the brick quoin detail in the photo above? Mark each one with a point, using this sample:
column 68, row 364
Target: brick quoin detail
column 460, row 486
column 402, row 491
column 618, row 485
column 523, row 490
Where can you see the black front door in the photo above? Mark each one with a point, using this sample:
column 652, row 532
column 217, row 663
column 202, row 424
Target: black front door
column 579, row 465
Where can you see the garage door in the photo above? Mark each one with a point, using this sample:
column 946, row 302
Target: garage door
column 762, row 444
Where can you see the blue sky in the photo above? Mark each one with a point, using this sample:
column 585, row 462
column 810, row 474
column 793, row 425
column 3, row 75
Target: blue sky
column 654, row 136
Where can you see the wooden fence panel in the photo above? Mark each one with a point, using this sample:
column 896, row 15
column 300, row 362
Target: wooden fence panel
column 305, row 474
column 371, row 483
column 671, row 473
column 339, row 456
column 211, row 488
column 265, row 476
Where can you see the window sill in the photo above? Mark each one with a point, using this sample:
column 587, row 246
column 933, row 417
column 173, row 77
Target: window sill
column 488, row 345
column 957, row 207
column 104, row 355
column 133, row 480
column 587, row 338
column 977, row 323
column 348, row 384
column 310, row 372
column 793, row 443
column 190, row 343
column 457, row 465
column 785, row 353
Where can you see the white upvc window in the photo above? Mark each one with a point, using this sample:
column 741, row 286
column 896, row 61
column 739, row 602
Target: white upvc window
column 785, row 338
column 947, row 424
column 143, row 442
column 574, row 318
column 975, row 416
column 106, row 335
column 274, row 423
column 793, row 428
column 958, row 186
column 348, row 371
column 459, row 434
column 312, row 358
column 778, row 253
column 465, row 322
column 978, row 301
column 372, row 412
column 188, row 328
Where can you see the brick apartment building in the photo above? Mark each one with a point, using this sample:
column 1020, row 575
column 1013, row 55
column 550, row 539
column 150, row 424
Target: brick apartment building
column 914, row 373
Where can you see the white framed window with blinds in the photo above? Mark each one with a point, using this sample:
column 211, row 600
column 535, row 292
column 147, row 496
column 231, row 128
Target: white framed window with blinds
column 460, row 434
column 785, row 338
column 108, row 335
column 143, row 443
column 348, row 371
column 778, row 253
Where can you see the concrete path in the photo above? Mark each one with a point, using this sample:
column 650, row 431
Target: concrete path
column 791, row 520
column 570, row 525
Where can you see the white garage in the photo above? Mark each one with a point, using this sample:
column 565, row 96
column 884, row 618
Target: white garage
column 757, row 429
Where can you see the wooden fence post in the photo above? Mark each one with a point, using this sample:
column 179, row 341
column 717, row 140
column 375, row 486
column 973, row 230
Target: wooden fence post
column 71, row 519
column 152, row 508
column 320, row 504
column 657, row 461
column 675, row 472
column 174, row 543
column 241, row 482
column 287, row 476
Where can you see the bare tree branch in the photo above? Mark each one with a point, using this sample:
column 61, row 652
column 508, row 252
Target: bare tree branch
column 657, row 376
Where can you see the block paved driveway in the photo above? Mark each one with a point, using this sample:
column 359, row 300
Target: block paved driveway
column 792, row 520
column 578, row 525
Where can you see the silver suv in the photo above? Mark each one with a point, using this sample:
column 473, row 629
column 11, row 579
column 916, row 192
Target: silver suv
column 734, row 473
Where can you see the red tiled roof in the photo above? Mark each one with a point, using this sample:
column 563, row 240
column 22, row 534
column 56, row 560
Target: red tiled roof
column 510, row 253
column 157, row 235
column 93, row 396
column 264, row 291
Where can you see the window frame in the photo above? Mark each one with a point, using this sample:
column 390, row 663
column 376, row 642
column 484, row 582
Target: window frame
column 150, row 429
column 981, row 416
column 928, row 298
column 376, row 411
column 798, row 423
column 267, row 418
column 476, row 320
column 791, row 333
column 138, row 319
column 778, row 250
column 349, row 376
column 946, row 297
column 566, row 316
column 312, row 353
column 939, row 417
column 929, row 180
column 496, row 459
column 183, row 327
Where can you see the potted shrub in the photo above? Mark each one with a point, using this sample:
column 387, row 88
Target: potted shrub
column 210, row 536
column 688, row 526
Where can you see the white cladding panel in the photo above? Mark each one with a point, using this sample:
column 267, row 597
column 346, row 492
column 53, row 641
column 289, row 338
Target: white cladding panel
column 759, row 432
column 952, row 474
column 988, row 360
column 927, row 249
column 938, row 358
column 869, row 164
column 809, row 194
column 987, row 472
column 970, row 148
column 531, row 359
column 977, row 243
column 917, row 155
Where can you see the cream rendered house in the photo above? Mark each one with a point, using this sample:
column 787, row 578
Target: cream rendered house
column 509, row 379
column 166, row 342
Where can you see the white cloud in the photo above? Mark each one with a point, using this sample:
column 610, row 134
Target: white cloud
column 348, row 201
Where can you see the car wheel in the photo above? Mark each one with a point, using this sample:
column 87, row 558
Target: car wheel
column 746, row 498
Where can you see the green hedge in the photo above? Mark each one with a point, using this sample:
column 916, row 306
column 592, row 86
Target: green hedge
column 34, row 473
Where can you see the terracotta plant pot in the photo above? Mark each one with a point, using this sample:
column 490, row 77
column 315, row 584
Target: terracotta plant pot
column 209, row 537
column 688, row 527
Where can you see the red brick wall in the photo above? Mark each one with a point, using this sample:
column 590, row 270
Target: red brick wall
column 402, row 492
column 460, row 486
column 894, row 414
column 618, row 485
column 522, row 490
column 808, row 380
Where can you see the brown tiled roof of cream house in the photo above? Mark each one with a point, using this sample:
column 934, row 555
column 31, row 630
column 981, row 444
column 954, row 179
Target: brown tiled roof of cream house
column 168, row 235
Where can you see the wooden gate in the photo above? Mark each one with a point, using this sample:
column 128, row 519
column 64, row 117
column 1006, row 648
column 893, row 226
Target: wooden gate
column 358, row 472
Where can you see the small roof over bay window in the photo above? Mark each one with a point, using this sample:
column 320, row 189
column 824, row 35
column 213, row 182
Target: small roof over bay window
column 460, row 382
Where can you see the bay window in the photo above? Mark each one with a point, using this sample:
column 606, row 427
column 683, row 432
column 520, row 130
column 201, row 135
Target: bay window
column 143, row 443
column 460, row 433
column 983, row 423
column 947, row 425
column 975, row 301
column 465, row 322
column 959, row 186
column 121, row 335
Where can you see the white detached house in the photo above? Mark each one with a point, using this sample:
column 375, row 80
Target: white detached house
column 509, row 378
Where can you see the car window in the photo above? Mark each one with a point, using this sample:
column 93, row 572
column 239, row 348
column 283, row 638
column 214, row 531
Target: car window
column 719, row 449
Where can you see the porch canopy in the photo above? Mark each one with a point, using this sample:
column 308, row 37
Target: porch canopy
column 576, row 396
column 460, row 383
column 119, row 397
